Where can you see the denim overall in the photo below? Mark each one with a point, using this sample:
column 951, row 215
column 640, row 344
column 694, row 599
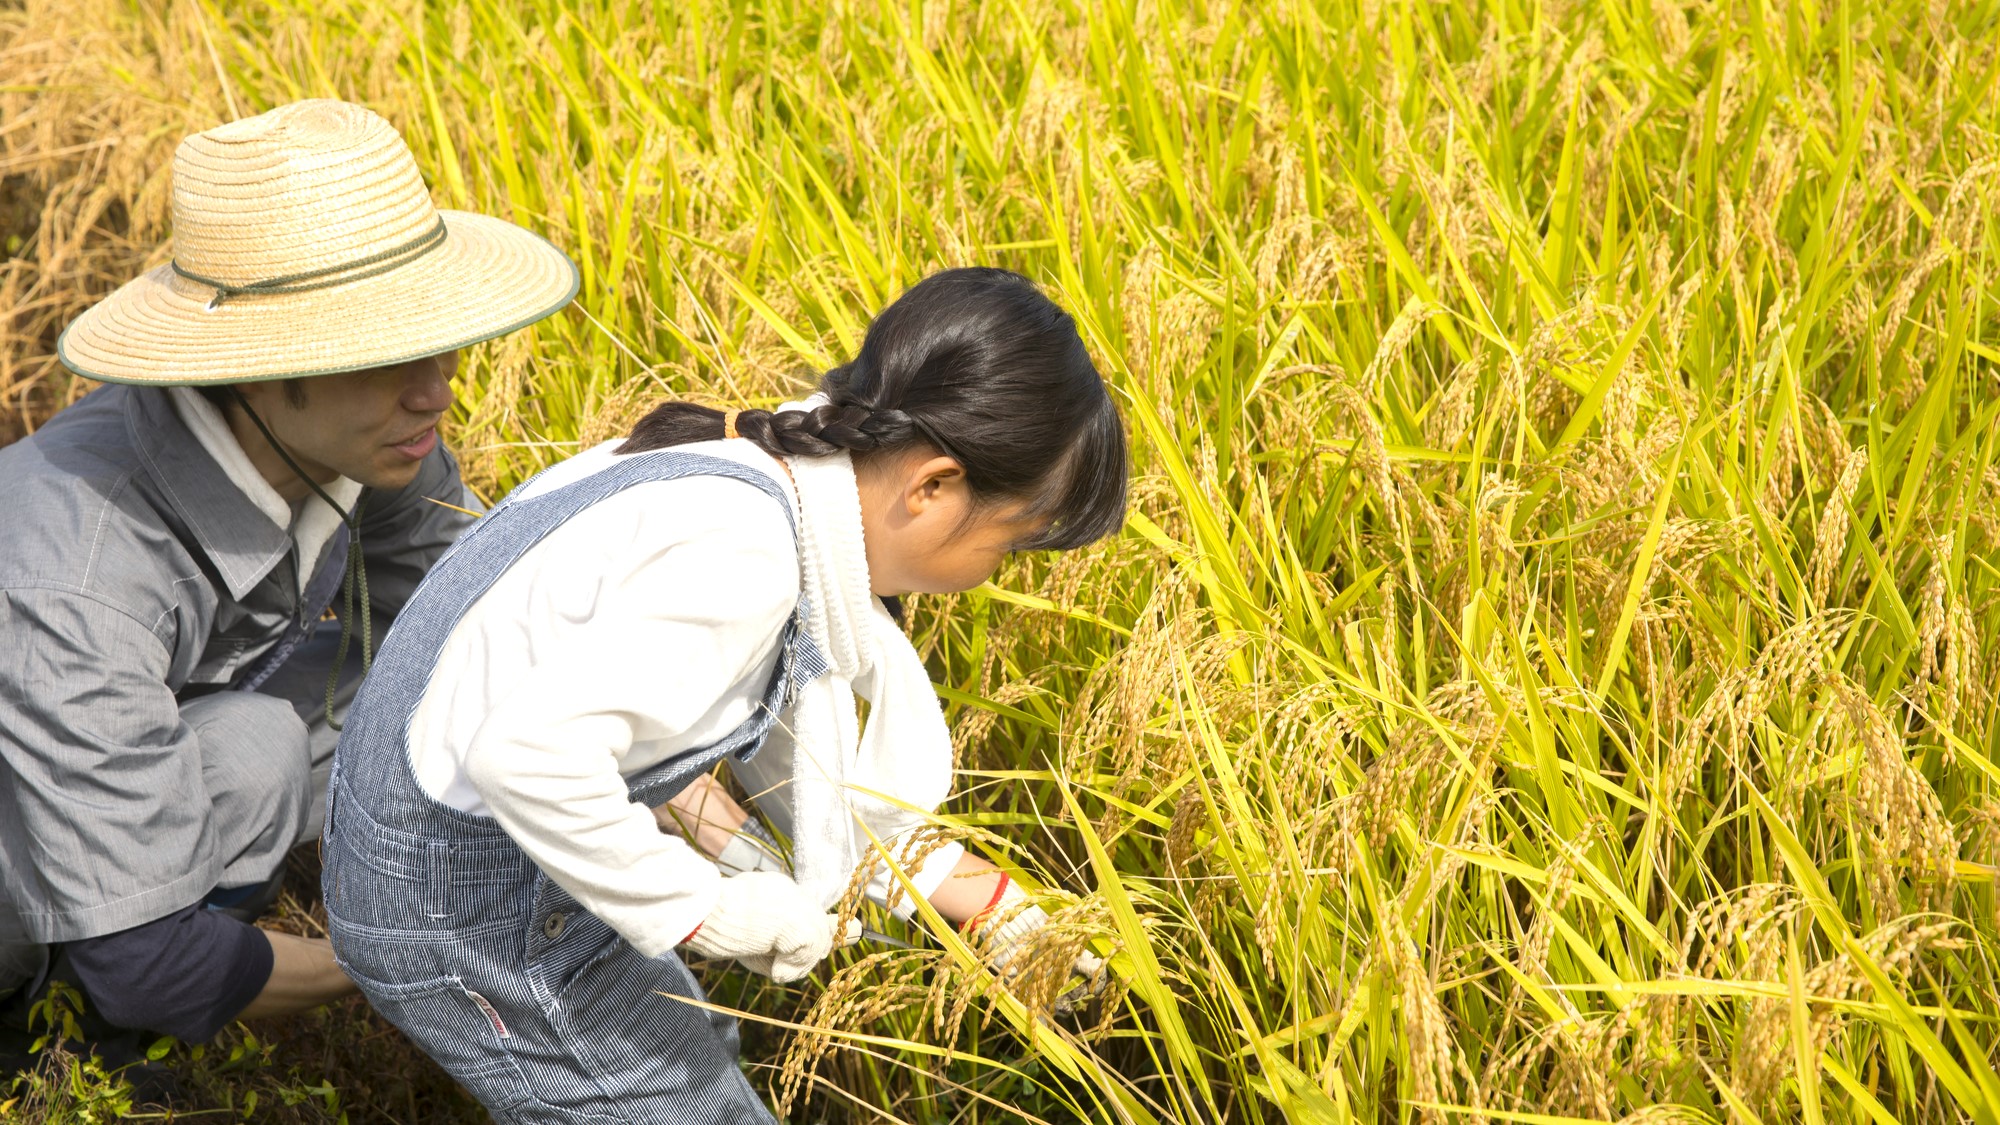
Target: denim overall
column 535, row 1005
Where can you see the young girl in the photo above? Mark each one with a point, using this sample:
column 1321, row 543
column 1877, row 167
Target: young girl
column 708, row 591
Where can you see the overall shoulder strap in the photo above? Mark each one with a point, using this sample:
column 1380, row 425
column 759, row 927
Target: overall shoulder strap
column 473, row 564
column 549, row 510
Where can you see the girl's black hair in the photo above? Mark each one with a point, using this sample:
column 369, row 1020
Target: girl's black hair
column 979, row 365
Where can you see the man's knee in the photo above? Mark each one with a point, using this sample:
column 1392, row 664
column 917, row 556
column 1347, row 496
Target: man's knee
column 257, row 764
column 186, row 975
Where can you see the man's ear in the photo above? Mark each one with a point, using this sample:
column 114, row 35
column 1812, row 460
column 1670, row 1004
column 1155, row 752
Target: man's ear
column 931, row 482
column 263, row 397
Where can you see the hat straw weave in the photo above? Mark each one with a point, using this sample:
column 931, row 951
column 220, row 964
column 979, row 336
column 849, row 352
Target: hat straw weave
column 305, row 243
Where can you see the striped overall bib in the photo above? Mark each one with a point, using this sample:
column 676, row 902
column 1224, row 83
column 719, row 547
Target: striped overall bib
column 536, row 1006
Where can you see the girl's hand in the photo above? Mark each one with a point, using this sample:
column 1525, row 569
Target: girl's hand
column 704, row 813
column 765, row 922
column 719, row 828
column 977, row 897
column 1005, row 923
column 972, row 888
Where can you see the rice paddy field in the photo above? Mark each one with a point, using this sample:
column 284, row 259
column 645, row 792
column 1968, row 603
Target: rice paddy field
column 1548, row 671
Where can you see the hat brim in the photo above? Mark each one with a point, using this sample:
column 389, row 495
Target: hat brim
column 486, row 279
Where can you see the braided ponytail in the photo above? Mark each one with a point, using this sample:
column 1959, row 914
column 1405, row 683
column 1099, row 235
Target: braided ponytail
column 977, row 365
column 826, row 429
column 819, row 432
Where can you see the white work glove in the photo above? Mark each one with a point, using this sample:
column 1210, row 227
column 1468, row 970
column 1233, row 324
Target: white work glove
column 1007, row 926
column 765, row 922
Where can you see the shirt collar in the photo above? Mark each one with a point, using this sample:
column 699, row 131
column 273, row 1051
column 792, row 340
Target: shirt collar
column 311, row 524
column 239, row 537
column 211, row 430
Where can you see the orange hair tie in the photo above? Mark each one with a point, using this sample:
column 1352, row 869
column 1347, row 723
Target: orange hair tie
column 729, row 424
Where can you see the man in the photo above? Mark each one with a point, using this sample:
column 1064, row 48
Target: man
column 172, row 544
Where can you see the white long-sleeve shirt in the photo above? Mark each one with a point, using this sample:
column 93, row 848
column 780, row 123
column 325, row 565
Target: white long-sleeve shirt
column 645, row 626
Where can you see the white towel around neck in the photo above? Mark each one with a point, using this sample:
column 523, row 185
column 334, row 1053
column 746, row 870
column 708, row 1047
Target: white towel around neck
column 891, row 774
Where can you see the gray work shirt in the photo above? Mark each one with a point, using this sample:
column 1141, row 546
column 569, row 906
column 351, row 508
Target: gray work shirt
column 133, row 574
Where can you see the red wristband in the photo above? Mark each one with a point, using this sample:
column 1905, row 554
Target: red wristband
column 972, row 923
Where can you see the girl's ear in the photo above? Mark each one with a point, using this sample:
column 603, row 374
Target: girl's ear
column 932, row 481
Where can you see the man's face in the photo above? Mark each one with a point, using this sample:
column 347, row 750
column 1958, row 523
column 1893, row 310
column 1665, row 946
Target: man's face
column 374, row 426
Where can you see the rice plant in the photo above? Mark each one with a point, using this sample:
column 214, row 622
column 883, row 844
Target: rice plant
column 1548, row 671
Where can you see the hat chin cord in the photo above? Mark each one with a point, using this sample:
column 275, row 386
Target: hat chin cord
column 356, row 582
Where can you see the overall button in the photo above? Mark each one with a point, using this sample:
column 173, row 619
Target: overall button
column 553, row 928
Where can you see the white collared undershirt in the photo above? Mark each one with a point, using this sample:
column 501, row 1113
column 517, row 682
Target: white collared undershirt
column 310, row 522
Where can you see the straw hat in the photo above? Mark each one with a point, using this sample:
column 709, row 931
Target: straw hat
column 305, row 243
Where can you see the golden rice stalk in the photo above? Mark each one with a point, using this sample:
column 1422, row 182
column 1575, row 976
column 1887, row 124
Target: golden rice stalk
column 1948, row 640
column 873, row 988
column 1830, row 542
column 1426, row 1026
column 1903, row 818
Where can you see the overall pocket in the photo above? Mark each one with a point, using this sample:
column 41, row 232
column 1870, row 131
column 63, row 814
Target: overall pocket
column 622, row 1013
column 462, row 1030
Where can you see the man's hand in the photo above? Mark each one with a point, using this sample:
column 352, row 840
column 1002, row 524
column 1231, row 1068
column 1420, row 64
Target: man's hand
column 767, row 923
column 303, row 976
